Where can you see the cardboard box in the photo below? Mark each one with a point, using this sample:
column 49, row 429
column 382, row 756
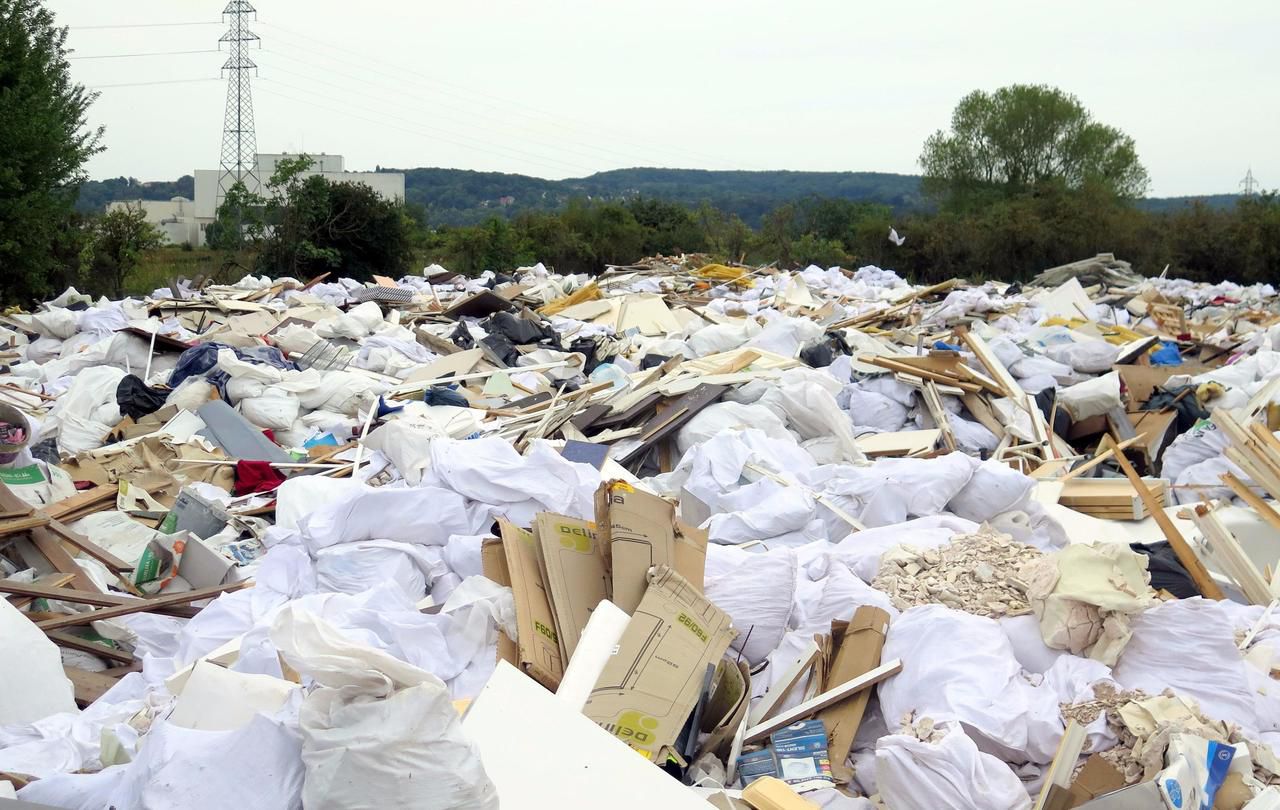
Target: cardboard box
column 539, row 645
column 646, row 692
column 575, row 572
column 493, row 563
column 858, row 653
column 640, row 531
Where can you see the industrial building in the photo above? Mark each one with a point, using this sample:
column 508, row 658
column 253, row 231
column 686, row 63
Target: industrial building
column 184, row 221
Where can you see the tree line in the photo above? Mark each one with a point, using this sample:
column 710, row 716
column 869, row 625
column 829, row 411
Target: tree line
column 1022, row 179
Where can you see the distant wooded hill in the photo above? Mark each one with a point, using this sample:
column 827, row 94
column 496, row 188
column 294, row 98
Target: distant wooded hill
column 461, row 197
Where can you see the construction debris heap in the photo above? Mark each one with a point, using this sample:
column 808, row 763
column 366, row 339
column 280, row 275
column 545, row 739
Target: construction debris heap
column 682, row 534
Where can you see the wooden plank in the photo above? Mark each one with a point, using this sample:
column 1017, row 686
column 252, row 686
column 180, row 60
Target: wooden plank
column 64, row 594
column 90, row 549
column 822, row 701
column 1235, row 563
column 141, row 606
column 1101, row 457
column 84, row 645
column 22, row 524
column 1186, row 555
column 89, row 686
column 1264, row 509
column 82, row 503
column 54, row 580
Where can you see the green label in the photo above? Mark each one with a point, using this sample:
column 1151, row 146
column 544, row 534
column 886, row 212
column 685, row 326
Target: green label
column 22, row 476
column 148, row 567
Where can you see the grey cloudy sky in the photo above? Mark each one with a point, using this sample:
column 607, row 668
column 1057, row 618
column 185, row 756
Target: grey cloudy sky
column 563, row 88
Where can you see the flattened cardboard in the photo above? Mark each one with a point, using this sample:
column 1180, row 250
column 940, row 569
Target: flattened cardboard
column 493, row 564
column 858, row 654
column 727, row 706
column 538, row 642
column 576, row 571
column 640, row 531
column 646, row 692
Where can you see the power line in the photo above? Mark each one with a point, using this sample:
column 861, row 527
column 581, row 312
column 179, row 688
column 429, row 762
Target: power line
column 150, row 84
column 135, row 55
column 481, row 116
column 507, row 104
column 465, row 144
column 141, row 25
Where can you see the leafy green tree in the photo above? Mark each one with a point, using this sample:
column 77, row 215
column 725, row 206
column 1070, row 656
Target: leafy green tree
column 239, row 218
column 116, row 243
column 44, row 143
column 1022, row 136
column 310, row 226
column 669, row 227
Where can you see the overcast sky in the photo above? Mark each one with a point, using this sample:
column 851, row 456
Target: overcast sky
column 563, row 88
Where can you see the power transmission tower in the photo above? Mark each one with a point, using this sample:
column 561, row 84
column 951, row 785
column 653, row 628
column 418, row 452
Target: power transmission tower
column 239, row 142
column 1248, row 183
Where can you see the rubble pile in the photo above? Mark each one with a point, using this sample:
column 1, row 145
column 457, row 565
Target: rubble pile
column 976, row 573
column 685, row 533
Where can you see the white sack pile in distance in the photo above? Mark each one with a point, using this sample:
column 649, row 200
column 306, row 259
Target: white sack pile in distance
column 398, row 502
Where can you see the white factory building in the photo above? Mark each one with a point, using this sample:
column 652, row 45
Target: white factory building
column 183, row 221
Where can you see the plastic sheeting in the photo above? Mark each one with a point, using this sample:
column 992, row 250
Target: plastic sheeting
column 985, row 688
column 179, row 769
column 951, row 774
column 376, row 732
column 757, row 596
column 1188, row 646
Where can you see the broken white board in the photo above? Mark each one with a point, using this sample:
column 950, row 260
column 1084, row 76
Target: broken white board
column 554, row 757
column 217, row 699
column 38, row 687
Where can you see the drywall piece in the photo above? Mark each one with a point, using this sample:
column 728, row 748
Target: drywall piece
column 224, row 656
column 597, row 644
column 899, row 443
column 217, row 699
column 463, row 362
column 541, row 754
column 1065, row 301
column 236, row 435
column 38, row 687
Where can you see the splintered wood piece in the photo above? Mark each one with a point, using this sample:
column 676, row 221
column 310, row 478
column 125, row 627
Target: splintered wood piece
column 1186, row 555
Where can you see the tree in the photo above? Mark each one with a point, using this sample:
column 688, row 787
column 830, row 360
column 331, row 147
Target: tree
column 1009, row 142
column 44, row 143
column 308, row 226
column 116, row 241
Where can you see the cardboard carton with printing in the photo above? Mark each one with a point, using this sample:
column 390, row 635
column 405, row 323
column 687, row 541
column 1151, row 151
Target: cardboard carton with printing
column 648, row 689
column 538, row 642
column 640, row 531
column 575, row 574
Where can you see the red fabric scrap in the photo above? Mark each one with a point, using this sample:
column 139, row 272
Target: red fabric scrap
column 256, row 476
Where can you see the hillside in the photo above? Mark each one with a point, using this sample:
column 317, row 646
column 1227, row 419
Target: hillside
column 462, row 197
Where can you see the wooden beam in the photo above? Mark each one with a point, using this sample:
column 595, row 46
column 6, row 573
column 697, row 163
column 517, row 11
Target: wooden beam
column 82, row 503
column 822, row 701
column 1232, row 559
column 1101, row 457
column 1265, row 510
column 84, row 645
column 64, row 594
column 89, row 686
column 141, row 606
column 1186, row 555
